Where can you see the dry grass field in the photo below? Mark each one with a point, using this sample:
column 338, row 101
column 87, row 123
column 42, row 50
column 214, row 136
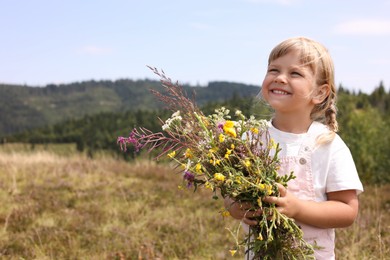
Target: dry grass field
column 66, row 206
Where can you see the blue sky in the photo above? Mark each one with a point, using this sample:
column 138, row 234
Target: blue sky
column 52, row 41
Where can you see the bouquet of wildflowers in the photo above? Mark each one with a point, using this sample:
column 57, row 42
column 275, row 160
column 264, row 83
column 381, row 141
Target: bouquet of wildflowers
column 235, row 158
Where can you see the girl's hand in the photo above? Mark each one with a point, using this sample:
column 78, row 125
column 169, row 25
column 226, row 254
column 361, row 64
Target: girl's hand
column 286, row 204
column 241, row 211
column 339, row 210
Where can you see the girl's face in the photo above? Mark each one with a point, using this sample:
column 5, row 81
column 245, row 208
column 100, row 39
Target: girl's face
column 288, row 86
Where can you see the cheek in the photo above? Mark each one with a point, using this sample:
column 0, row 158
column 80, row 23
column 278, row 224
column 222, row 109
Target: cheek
column 264, row 86
column 267, row 80
column 264, row 93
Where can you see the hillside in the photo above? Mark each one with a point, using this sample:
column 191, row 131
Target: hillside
column 24, row 107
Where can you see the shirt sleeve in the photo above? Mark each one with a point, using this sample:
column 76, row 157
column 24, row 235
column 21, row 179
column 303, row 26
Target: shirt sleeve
column 342, row 173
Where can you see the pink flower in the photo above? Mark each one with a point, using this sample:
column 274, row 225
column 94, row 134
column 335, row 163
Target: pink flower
column 132, row 139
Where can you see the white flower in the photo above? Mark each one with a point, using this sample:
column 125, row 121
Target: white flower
column 165, row 127
column 177, row 113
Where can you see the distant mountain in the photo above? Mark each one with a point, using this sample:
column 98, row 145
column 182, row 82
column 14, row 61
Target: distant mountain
column 24, row 107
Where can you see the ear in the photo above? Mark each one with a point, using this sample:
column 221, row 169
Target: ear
column 320, row 94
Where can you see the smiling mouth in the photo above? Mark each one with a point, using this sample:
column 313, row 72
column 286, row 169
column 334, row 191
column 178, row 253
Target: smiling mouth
column 279, row 92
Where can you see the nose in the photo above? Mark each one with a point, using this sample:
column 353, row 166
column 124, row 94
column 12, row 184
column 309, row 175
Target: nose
column 281, row 78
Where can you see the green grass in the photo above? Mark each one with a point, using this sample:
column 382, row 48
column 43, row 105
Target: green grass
column 71, row 207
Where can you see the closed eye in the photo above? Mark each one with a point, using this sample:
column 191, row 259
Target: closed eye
column 296, row 73
column 273, row 70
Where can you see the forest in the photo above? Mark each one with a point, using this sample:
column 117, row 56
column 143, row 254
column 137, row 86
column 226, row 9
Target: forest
column 364, row 121
column 26, row 107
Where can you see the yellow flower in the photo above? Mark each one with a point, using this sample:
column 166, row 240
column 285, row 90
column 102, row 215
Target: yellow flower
column 224, row 213
column 215, row 162
column 247, row 163
column 233, row 252
column 259, row 202
column 272, row 144
column 228, row 152
column 213, row 150
column 188, row 153
column 255, row 130
column 229, row 129
column 219, row 177
column 269, row 189
column 265, row 187
column 208, row 185
column 232, row 146
column 260, row 237
column 172, row 154
column 198, row 168
column 221, row 138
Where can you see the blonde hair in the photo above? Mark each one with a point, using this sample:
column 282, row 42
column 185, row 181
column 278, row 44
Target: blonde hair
column 317, row 58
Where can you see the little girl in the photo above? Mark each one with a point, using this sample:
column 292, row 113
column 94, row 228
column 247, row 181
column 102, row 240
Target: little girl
column 299, row 86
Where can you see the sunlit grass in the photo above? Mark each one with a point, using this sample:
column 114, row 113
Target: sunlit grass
column 71, row 207
column 369, row 237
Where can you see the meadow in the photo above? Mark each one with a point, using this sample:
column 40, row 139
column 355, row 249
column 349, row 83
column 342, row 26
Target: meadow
column 60, row 204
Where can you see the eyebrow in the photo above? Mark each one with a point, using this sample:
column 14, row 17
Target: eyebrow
column 291, row 67
column 298, row 67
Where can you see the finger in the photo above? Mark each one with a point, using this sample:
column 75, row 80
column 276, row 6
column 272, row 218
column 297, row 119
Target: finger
column 272, row 199
column 249, row 221
column 251, row 214
column 282, row 190
column 246, row 205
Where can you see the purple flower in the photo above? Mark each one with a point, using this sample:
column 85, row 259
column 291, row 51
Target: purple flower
column 189, row 177
column 132, row 139
column 220, row 127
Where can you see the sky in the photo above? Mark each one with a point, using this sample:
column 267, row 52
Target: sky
column 195, row 42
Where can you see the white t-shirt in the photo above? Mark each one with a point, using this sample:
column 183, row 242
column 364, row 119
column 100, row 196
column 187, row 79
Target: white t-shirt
column 320, row 169
column 332, row 165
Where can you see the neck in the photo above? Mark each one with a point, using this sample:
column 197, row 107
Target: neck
column 292, row 124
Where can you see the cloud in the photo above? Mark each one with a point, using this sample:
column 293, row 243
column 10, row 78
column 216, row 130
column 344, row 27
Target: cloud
column 95, row 50
column 364, row 27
